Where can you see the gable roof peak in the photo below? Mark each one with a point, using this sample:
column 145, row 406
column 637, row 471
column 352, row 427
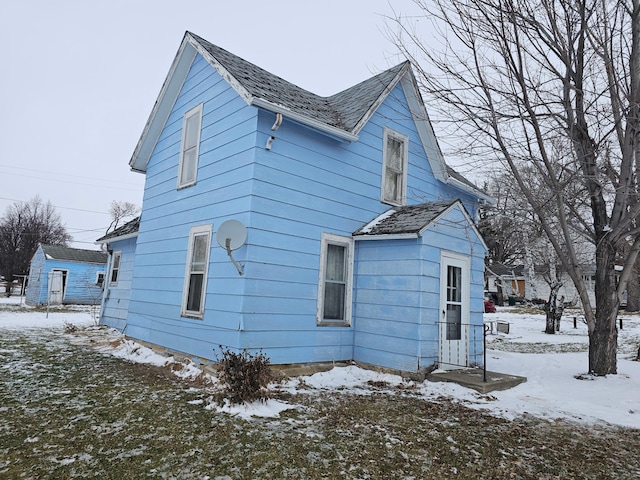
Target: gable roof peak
column 342, row 110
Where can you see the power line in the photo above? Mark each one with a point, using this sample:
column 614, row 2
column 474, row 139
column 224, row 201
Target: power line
column 72, row 182
column 57, row 206
column 63, row 174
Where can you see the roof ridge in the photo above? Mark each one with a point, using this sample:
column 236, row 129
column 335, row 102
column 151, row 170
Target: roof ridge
column 343, row 109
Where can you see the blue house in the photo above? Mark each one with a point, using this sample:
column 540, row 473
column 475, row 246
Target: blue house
column 121, row 246
column 63, row 275
column 315, row 229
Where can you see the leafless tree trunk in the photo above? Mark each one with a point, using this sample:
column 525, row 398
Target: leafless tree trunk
column 553, row 87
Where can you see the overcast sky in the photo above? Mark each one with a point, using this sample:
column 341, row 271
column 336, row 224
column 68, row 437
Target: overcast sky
column 80, row 77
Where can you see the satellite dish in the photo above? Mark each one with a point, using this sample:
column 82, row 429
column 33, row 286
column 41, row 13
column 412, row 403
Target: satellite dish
column 231, row 235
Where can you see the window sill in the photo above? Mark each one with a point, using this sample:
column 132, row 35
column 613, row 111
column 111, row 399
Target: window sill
column 186, row 185
column 326, row 323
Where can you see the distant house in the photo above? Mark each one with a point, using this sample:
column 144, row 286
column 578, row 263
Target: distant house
column 502, row 281
column 66, row 275
column 315, row 229
column 538, row 283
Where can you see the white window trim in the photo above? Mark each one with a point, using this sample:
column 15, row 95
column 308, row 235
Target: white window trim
column 197, row 230
column 113, row 257
column 389, row 133
column 331, row 239
column 197, row 110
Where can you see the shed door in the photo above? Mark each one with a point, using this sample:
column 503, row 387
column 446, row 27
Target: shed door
column 454, row 311
column 55, row 287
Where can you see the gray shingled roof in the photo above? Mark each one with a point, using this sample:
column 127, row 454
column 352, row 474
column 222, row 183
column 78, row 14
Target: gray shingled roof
column 404, row 220
column 126, row 229
column 58, row 252
column 342, row 110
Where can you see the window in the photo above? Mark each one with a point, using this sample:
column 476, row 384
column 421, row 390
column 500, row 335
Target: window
column 394, row 167
column 334, row 289
column 190, row 146
column 99, row 278
column 115, row 268
column 454, row 302
column 195, row 281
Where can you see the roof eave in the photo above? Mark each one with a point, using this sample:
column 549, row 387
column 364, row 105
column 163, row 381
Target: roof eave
column 303, row 119
column 116, row 239
column 163, row 104
column 457, row 204
column 387, row 236
column 469, row 189
column 423, row 124
column 381, row 98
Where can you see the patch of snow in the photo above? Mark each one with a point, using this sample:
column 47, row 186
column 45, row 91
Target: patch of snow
column 555, row 366
column 270, row 408
column 376, row 221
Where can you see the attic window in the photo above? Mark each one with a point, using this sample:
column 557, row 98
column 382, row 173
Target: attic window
column 394, row 167
column 190, row 147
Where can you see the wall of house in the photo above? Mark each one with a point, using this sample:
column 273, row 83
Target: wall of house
column 221, row 192
column 36, row 279
column 454, row 234
column 388, row 310
column 398, row 295
column 115, row 301
column 537, row 287
column 80, row 289
column 306, row 184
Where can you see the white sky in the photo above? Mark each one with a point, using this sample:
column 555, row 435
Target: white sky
column 79, row 79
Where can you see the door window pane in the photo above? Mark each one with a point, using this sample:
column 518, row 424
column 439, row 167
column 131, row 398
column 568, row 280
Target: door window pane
column 454, row 322
column 454, row 282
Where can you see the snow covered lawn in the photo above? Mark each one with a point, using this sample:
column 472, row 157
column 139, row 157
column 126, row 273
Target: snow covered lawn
column 88, row 403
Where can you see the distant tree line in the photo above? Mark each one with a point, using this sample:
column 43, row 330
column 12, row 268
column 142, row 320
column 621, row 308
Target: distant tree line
column 23, row 227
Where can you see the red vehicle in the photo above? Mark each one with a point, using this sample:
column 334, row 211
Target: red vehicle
column 489, row 306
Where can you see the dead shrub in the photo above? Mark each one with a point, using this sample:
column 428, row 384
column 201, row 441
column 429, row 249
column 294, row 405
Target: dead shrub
column 245, row 376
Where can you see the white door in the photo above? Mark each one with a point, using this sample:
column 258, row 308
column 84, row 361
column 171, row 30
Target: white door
column 55, row 287
column 454, row 311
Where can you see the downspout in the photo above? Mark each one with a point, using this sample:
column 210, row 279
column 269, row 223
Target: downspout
column 275, row 127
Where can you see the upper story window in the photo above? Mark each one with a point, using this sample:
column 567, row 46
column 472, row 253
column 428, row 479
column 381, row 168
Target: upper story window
column 115, row 268
column 190, row 146
column 394, row 167
column 334, row 289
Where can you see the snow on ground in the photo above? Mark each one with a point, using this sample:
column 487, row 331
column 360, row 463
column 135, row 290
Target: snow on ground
column 551, row 364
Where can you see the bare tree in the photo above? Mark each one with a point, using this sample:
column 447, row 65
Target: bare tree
column 119, row 211
column 553, row 85
column 24, row 226
column 506, row 225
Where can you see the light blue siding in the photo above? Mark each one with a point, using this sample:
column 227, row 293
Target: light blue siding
column 115, row 303
column 80, row 286
column 222, row 191
column 397, row 298
column 305, row 185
